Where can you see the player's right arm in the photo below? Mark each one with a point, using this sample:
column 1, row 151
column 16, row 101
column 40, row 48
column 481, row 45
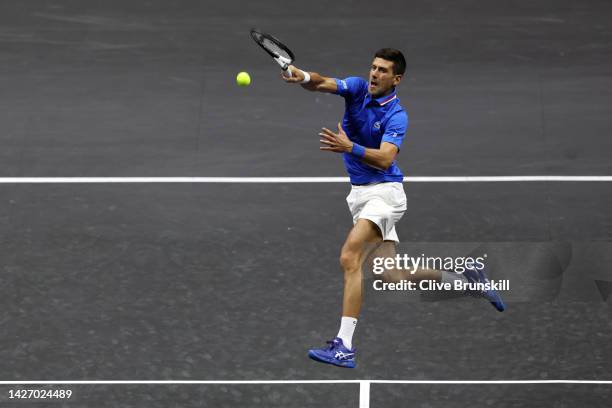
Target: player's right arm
column 317, row 81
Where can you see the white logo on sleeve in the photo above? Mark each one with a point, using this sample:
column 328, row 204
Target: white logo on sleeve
column 344, row 85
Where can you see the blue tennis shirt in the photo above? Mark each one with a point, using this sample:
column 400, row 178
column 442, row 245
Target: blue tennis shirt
column 369, row 122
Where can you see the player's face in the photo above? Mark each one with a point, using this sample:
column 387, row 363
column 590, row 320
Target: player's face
column 382, row 78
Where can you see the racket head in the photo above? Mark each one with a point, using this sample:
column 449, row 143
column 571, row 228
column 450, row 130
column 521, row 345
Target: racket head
column 273, row 46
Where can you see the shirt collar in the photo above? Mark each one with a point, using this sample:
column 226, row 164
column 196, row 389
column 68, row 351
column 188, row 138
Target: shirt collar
column 383, row 100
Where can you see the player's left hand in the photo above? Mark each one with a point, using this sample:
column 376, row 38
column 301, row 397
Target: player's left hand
column 335, row 142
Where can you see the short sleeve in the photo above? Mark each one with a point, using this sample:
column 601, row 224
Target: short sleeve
column 395, row 130
column 351, row 87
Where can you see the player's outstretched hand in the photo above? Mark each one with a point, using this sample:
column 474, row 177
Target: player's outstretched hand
column 335, row 142
column 297, row 75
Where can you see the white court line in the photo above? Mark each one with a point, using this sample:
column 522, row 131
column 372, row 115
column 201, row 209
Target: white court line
column 364, row 394
column 256, row 382
column 425, row 179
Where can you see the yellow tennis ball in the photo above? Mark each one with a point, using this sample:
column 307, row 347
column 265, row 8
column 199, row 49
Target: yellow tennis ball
column 243, row 79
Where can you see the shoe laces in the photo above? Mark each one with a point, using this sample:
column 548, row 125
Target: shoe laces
column 332, row 344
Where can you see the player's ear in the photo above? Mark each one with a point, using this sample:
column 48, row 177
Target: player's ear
column 396, row 79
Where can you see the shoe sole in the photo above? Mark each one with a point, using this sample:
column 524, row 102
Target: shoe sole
column 337, row 363
column 497, row 301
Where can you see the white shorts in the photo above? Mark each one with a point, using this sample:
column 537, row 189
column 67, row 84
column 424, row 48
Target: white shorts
column 383, row 204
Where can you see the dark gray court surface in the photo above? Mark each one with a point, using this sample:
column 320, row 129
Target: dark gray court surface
column 235, row 281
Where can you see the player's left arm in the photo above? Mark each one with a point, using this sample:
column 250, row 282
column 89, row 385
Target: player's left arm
column 380, row 158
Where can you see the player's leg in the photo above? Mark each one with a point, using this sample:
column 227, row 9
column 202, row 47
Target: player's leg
column 387, row 249
column 363, row 238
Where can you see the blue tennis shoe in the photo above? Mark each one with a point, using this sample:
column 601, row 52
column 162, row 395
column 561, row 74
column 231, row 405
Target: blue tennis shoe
column 479, row 276
column 335, row 353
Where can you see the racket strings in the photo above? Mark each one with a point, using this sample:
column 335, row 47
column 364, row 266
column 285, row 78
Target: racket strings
column 274, row 48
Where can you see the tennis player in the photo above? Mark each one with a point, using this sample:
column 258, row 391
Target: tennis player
column 369, row 138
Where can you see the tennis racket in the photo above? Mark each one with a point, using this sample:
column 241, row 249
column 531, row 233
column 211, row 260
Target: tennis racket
column 277, row 50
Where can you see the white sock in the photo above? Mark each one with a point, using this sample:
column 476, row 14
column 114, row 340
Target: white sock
column 451, row 277
column 347, row 328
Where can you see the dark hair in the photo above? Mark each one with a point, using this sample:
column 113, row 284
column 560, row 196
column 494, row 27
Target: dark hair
column 395, row 56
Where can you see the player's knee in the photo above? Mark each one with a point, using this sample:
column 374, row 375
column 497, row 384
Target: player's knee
column 387, row 277
column 396, row 275
column 349, row 260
